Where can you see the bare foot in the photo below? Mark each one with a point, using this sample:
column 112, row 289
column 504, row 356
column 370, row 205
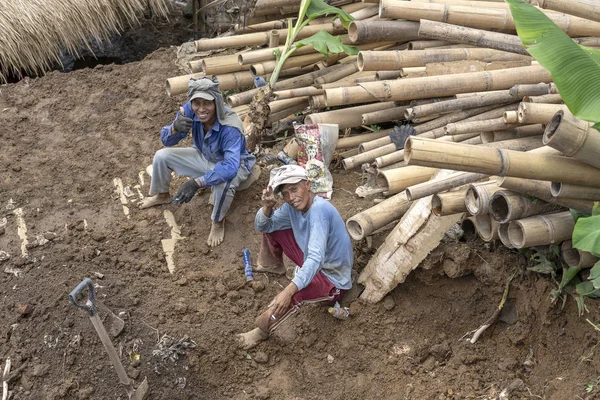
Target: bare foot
column 279, row 270
column 217, row 233
column 161, row 198
column 252, row 338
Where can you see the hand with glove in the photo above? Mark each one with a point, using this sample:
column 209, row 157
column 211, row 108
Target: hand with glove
column 399, row 135
column 186, row 192
column 182, row 124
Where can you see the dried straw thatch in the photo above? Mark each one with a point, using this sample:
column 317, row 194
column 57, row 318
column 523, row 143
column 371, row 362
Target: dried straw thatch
column 35, row 32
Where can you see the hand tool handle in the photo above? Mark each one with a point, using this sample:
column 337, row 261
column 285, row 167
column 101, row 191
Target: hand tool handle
column 90, row 304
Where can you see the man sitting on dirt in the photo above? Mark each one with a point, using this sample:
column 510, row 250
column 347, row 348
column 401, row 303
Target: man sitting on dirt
column 311, row 232
column 218, row 158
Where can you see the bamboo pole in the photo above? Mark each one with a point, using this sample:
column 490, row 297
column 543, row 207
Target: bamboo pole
column 390, row 114
column 260, row 27
column 218, row 65
column 514, row 133
column 477, row 198
column 546, row 98
column 427, row 44
column 284, row 113
column 478, row 100
column 396, row 180
column 291, row 93
column 564, row 190
column 267, row 67
column 541, row 229
column 348, row 95
column 575, row 257
column 366, row 222
column 457, row 128
column 376, row 31
column 574, row 138
column 345, row 70
column 476, row 37
column 478, row 17
column 317, row 102
column 542, row 191
column 438, row 86
column 536, row 89
column 503, row 236
column 346, row 117
column 511, row 117
column 358, row 15
column 179, row 84
column 384, row 75
column 268, row 54
column 354, row 141
column 449, row 203
column 587, row 9
column 536, row 113
column 487, row 227
column 498, row 161
column 274, row 38
column 450, row 182
column 509, row 206
column 260, row 38
column 392, row 60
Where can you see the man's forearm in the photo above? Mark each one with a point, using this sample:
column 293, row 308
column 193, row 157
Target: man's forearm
column 267, row 211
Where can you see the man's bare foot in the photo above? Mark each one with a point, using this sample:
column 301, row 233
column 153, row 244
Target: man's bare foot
column 161, row 198
column 279, row 270
column 252, row 338
column 217, row 233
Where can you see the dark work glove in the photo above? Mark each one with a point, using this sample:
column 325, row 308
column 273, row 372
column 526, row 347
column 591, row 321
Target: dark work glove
column 400, row 134
column 186, row 192
column 182, row 124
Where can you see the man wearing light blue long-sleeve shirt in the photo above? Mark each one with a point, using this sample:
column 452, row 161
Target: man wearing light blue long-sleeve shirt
column 311, row 232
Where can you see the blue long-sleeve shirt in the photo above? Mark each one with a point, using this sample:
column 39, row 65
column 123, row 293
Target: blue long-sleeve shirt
column 322, row 237
column 224, row 145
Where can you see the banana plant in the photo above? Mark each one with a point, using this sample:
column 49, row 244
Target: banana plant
column 323, row 42
column 575, row 70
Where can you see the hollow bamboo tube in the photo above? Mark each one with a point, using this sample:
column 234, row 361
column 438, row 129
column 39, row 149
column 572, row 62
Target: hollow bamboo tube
column 461, row 157
column 359, row 15
column 366, row 222
column 291, row 93
column 396, row 180
column 218, row 65
column 536, row 113
column 546, row 99
column 267, row 67
column 350, row 80
column 477, row 198
column 273, row 38
column 476, row 37
column 587, row 9
column 536, row 89
column 260, row 55
column 368, row 156
column 588, row 41
column 437, row 86
column 564, row 190
column 542, row 191
column 503, row 236
column 392, row 60
column 374, row 31
column 449, row 203
column 337, row 74
column 284, row 113
column 574, row 138
column 541, row 229
column 412, row 72
column 427, row 44
column 455, row 180
column 457, row 128
column 259, row 38
column 478, row 17
column 508, row 206
column 514, row 133
column 317, row 102
column 179, row 84
column 354, row 141
column 261, row 27
column 487, row 227
column 575, row 257
column 391, row 114
column 479, row 100
column 468, row 3
column 346, row 117
column 383, row 75
column 348, row 95
column 511, row 117
column 279, row 105
column 468, row 226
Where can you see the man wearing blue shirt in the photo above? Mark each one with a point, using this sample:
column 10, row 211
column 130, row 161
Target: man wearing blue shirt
column 311, row 232
column 218, row 158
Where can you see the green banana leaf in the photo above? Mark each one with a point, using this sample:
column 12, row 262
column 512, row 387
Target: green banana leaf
column 325, row 44
column 318, row 8
column 575, row 69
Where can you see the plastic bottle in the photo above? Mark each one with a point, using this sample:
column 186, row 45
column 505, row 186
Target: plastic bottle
column 339, row 312
column 284, row 158
column 247, row 265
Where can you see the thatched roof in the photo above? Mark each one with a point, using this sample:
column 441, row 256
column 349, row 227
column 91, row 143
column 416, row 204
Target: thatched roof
column 34, row 32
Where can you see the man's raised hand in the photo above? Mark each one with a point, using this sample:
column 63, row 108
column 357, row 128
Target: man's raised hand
column 182, row 124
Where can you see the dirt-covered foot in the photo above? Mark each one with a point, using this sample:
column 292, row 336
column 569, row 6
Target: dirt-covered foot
column 217, row 233
column 278, row 270
column 251, row 338
column 159, row 199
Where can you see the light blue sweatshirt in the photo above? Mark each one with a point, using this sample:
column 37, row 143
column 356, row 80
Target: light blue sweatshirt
column 322, row 237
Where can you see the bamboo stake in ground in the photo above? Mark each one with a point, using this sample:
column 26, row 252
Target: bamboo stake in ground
column 472, row 36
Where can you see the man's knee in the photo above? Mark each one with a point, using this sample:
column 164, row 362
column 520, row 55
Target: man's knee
column 162, row 156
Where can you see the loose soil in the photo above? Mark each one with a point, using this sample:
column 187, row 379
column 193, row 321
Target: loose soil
column 65, row 137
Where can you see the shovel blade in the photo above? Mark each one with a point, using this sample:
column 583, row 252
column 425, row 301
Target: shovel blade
column 141, row 393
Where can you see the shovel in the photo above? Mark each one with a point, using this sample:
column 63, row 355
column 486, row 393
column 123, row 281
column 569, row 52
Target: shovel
column 90, row 306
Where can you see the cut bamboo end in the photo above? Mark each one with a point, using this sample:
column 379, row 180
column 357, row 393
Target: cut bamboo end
column 503, row 236
column 511, row 117
column 575, row 257
column 396, row 180
column 537, row 113
column 565, row 191
column 573, row 137
column 368, row 221
column 449, row 203
column 478, row 195
column 179, row 84
column 468, row 226
column 487, row 227
column 541, row 230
